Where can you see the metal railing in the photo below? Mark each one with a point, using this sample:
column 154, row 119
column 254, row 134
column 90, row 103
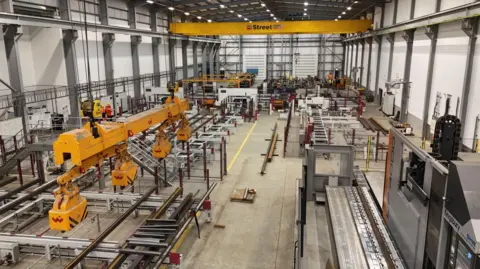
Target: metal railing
column 55, row 92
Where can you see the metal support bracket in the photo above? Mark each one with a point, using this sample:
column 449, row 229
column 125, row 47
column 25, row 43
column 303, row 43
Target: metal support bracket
column 378, row 39
column 408, row 35
column 391, row 37
column 431, row 31
column 136, row 40
column 469, row 26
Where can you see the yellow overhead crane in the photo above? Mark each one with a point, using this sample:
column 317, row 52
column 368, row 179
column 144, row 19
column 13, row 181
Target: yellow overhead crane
column 92, row 144
column 272, row 28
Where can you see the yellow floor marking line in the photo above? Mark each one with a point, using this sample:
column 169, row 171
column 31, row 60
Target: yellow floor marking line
column 232, row 162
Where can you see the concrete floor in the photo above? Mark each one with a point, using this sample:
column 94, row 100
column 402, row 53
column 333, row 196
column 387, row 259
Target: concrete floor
column 256, row 235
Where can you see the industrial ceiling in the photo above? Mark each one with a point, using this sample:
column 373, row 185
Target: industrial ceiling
column 256, row 10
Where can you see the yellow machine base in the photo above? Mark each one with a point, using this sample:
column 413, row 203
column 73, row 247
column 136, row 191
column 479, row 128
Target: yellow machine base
column 124, row 176
column 66, row 219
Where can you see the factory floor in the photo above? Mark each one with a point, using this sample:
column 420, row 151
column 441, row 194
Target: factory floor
column 258, row 234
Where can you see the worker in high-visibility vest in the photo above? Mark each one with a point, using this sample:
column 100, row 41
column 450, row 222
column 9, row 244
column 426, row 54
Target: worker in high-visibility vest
column 330, row 78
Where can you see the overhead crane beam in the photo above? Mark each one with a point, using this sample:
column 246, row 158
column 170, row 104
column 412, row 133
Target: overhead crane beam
column 271, row 28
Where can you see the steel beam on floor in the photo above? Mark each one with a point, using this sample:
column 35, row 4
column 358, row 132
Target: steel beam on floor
column 10, row 36
column 107, row 40
column 108, row 230
column 12, row 204
column 470, row 28
column 69, row 38
column 195, row 58
column 378, row 40
column 185, row 225
column 408, row 35
column 432, row 33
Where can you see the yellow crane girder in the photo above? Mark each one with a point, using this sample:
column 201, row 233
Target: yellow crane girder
column 271, row 28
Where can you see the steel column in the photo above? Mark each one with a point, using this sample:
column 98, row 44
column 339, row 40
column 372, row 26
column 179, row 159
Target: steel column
column 395, row 11
column 64, row 9
column 184, row 59
column 408, row 35
column 217, row 59
column 240, row 49
column 291, row 55
column 108, row 39
column 210, row 58
column 204, row 59
column 103, row 11
column 7, row 6
column 391, row 40
column 195, row 58
column 470, row 28
column 11, row 34
column 267, row 71
column 412, row 9
column 171, row 51
column 135, row 41
column 156, row 41
column 362, row 41
column 69, row 38
column 369, row 62
column 351, row 60
column 377, row 39
column 357, row 45
column 432, row 33
column 346, row 58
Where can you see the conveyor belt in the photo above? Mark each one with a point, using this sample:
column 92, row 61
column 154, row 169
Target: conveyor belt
column 360, row 239
column 347, row 242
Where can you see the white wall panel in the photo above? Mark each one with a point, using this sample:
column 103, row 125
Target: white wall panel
column 178, row 55
column 377, row 17
column 447, row 4
column 97, row 65
column 449, row 68
column 122, row 56
column 388, row 20
column 365, row 63
column 145, row 55
column 48, row 56
column 26, row 59
column 305, row 65
column 403, row 11
column 418, row 74
column 424, row 7
column 255, row 61
column 473, row 109
column 3, row 66
column 384, row 60
column 398, row 66
column 373, row 66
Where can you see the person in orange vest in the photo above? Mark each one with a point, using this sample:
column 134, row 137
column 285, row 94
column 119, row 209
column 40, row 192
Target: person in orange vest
column 109, row 111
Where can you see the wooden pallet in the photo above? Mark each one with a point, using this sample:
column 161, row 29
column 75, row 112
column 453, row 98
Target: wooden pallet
column 243, row 195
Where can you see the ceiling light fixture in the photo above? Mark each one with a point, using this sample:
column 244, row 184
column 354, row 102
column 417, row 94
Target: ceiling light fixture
column 150, row 1
column 271, row 15
column 343, row 13
column 306, row 3
column 277, row 20
column 339, row 17
column 274, row 18
column 336, row 19
column 231, row 11
column 304, row 9
column 304, row 14
column 268, row 10
column 250, row 21
column 356, row 2
column 349, row 8
column 239, row 15
column 222, row 6
column 170, row 8
column 199, row 17
column 264, row 4
column 245, row 19
column 209, row 21
column 187, row 13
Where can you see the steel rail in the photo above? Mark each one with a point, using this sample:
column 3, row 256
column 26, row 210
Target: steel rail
column 11, row 205
column 117, row 262
column 273, row 140
column 172, row 243
column 108, row 230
